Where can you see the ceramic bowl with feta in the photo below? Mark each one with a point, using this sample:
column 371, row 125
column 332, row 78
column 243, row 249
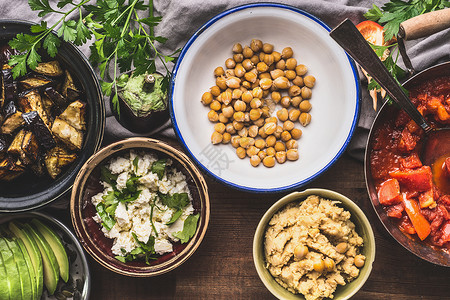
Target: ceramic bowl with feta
column 140, row 207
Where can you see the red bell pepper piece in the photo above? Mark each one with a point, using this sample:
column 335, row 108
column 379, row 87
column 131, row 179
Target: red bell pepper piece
column 421, row 225
column 418, row 179
column 389, row 192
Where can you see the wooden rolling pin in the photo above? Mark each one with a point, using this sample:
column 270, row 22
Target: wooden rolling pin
column 425, row 25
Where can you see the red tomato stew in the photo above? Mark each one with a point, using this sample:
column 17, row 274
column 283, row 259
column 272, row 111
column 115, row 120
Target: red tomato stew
column 415, row 196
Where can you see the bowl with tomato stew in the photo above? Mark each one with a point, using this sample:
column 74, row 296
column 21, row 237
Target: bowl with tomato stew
column 412, row 198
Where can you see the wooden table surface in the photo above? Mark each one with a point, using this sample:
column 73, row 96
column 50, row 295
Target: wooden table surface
column 222, row 267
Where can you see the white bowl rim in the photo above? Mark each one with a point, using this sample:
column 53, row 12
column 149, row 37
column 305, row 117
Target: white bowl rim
column 184, row 144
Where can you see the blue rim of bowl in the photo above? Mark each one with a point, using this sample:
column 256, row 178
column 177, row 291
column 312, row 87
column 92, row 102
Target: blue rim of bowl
column 180, row 137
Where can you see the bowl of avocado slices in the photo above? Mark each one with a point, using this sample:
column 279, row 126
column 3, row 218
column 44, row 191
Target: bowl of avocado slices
column 40, row 258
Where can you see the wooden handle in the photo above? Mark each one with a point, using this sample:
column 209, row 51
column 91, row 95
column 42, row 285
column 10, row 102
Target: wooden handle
column 425, row 25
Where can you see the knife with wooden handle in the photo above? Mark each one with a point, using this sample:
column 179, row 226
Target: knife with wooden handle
column 425, row 25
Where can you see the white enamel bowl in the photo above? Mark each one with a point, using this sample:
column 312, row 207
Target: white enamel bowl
column 335, row 99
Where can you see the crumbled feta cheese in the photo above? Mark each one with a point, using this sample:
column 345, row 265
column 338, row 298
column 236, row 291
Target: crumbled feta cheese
column 122, row 181
column 163, row 246
column 122, row 217
column 119, row 165
column 124, row 241
column 150, row 181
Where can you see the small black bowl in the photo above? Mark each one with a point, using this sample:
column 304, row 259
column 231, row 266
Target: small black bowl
column 29, row 192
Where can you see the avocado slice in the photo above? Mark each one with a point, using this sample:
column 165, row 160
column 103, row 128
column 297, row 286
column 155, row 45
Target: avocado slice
column 33, row 251
column 13, row 280
column 56, row 245
column 51, row 267
column 4, row 284
column 24, row 274
column 30, row 267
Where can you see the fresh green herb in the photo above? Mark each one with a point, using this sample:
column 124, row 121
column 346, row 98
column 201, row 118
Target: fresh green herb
column 145, row 251
column 189, row 228
column 393, row 13
column 107, row 176
column 131, row 184
column 108, row 220
column 135, row 164
column 176, row 215
column 159, row 167
column 151, row 216
column 177, row 201
column 122, row 39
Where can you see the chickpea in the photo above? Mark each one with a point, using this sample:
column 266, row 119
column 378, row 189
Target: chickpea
column 295, row 101
column 236, row 94
column 259, row 122
column 237, row 48
column 247, row 52
column 255, row 160
column 233, row 82
column 255, row 114
column 239, row 71
column 260, row 144
column 296, row 133
column 300, row 251
column 239, row 105
column 282, row 114
column 221, row 82
column 243, row 132
column 255, row 84
column 227, row 111
column 226, row 137
column 262, row 67
column 229, row 73
column 329, row 264
column 216, row 137
column 238, row 57
column 306, row 92
column 360, row 260
column 219, row 71
column 290, row 74
column 280, row 156
column 285, row 101
column 247, row 96
column 276, row 73
column 215, row 105
column 294, row 114
column 276, row 56
column 305, row 106
column 262, row 154
column 256, row 45
column 309, row 81
column 276, row 97
column 291, row 63
column 255, row 103
column 281, row 82
column 252, row 150
column 342, row 247
column 262, row 133
column 248, row 64
column 264, row 75
column 235, row 141
column 230, row 63
column 288, row 125
column 230, row 129
column 250, row 77
column 267, row 48
column 257, row 92
column 269, row 161
column 269, row 128
column 281, row 64
column 279, row 146
column 291, row 144
column 304, row 119
column 285, row 136
column 269, row 59
column 238, row 125
column 271, row 119
column 292, row 154
column 319, row 266
column 265, row 83
column 254, row 59
column 240, row 152
column 301, row 70
column 207, row 98
column 270, row 151
column 246, row 84
column 253, row 131
column 261, row 56
column 226, row 97
column 287, row 53
column 278, row 132
column 215, row 91
column 298, row 81
column 270, row 141
column 294, row 91
column 246, row 142
column 219, row 127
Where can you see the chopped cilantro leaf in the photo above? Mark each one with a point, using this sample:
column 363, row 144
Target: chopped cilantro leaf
column 175, row 217
column 159, row 167
column 177, row 200
column 189, row 228
column 107, row 176
column 108, row 221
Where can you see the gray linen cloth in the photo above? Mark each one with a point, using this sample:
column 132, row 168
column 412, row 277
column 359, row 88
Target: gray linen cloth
column 181, row 18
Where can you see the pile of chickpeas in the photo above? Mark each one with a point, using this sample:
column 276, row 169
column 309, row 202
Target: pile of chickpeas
column 245, row 96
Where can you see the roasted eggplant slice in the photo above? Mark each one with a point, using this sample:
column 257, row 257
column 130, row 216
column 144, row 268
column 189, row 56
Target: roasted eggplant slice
column 67, row 134
column 10, row 168
column 56, row 159
column 8, row 85
column 3, row 145
column 69, row 90
column 56, row 97
column 9, row 109
column 51, row 68
column 34, row 82
column 40, row 130
column 75, row 115
column 32, row 101
column 16, row 145
column 30, row 147
column 12, row 123
column 5, row 53
column 38, row 167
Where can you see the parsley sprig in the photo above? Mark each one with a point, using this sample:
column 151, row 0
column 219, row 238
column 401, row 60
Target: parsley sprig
column 123, row 41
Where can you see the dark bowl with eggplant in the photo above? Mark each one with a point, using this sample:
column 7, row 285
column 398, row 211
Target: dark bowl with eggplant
column 51, row 121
